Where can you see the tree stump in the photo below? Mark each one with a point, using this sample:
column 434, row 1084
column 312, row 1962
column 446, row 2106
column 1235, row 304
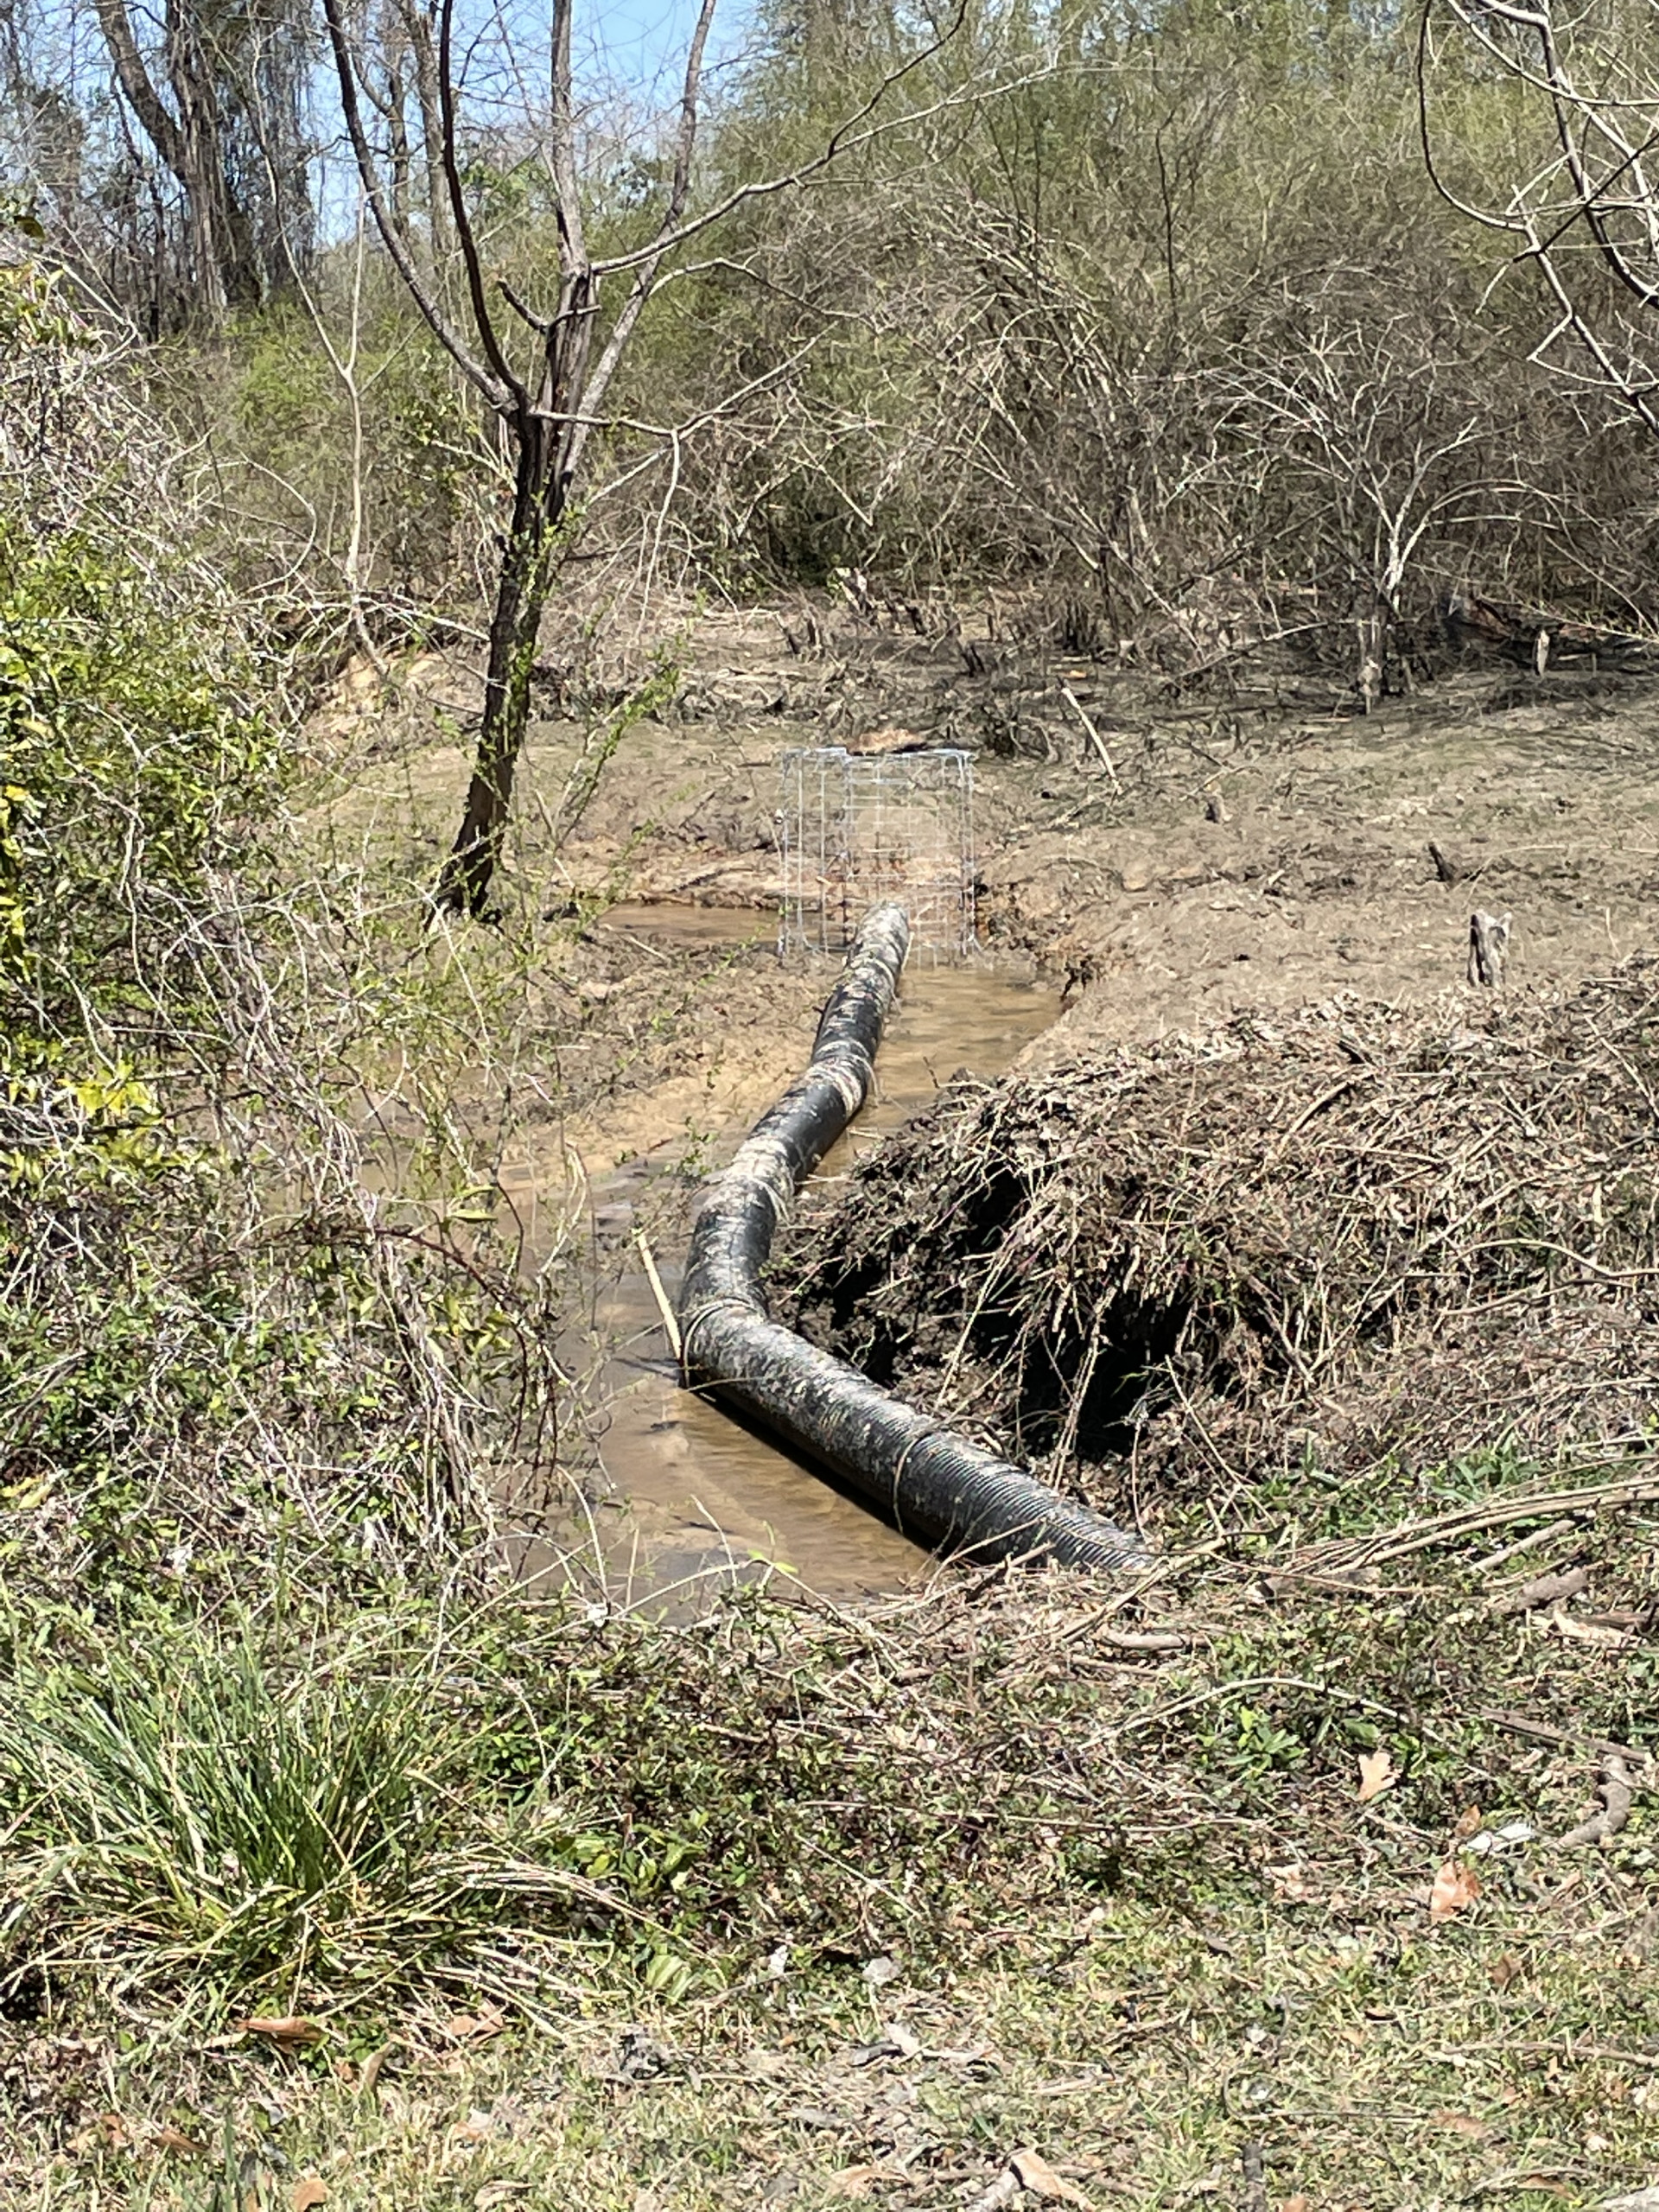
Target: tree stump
column 1488, row 948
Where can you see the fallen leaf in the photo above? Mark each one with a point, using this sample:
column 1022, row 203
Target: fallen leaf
column 1037, row 2179
column 173, row 2139
column 1461, row 2123
column 1506, row 1970
column 308, row 2191
column 1470, row 1820
column 1294, row 2204
column 477, row 2128
column 372, row 2068
column 114, row 2130
column 1002, row 2191
column 1455, row 1886
column 1290, row 1884
column 475, row 2027
column 292, row 2028
column 858, row 2181
column 1376, row 1774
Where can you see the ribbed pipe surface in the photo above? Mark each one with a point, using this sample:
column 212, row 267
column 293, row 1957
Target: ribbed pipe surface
column 933, row 1485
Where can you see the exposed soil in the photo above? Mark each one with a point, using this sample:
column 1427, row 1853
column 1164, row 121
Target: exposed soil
column 1257, row 848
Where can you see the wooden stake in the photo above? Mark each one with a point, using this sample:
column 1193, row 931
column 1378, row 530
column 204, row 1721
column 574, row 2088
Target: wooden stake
column 658, row 1292
column 1489, row 947
column 1095, row 737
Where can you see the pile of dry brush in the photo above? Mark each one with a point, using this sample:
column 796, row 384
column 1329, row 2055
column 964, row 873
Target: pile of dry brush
column 1375, row 1240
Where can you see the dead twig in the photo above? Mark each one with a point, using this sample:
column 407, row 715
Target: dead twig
column 670, row 1321
column 1409, row 1536
column 1546, row 1733
column 1095, row 737
column 1546, row 1591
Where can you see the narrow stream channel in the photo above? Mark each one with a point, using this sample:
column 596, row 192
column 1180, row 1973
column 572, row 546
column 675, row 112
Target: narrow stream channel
column 693, row 1499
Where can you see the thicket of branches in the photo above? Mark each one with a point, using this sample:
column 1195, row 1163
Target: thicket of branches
column 1163, row 308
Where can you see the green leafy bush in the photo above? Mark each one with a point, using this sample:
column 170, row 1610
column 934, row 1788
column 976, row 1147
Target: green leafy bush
column 139, row 748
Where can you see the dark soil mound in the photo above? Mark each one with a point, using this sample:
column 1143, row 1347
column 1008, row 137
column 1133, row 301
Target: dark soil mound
column 1371, row 1240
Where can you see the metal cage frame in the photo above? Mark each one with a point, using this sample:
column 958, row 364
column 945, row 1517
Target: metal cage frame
column 855, row 829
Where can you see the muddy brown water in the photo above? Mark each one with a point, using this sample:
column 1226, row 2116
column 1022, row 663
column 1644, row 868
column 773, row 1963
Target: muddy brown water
column 690, row 1498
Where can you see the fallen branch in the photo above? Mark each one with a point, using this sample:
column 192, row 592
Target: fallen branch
column 1546, row 1591
column 1529, row 636
column 1095, row 737
column 1574, row 1739
column 1408, row 1536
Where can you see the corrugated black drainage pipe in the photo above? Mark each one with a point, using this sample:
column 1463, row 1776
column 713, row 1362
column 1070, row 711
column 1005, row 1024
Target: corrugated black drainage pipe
column 937, row 1487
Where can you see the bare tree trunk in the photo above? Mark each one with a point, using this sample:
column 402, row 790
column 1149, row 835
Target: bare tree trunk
column 522, row 591
column 398, row 122
column 548, row 421
column 225, row 270
column 418, row 23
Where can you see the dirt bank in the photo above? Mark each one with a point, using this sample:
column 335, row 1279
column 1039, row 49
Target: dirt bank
column 1354, row 1248
column 1179, row 856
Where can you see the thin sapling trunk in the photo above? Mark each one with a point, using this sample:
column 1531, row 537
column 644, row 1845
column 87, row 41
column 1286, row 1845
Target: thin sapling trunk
column 522, row 591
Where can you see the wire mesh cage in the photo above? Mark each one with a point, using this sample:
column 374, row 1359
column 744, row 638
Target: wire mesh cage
column 855, row 829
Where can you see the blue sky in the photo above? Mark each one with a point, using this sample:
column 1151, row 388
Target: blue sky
column 645, row 40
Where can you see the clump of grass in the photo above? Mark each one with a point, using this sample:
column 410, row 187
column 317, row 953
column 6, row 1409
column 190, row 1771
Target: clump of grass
column 246, row 1817
column 295, row 1809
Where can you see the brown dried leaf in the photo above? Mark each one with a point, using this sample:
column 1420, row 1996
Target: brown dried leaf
column 1294, row 2204
column 1506, row 1970
column 476, row 2027
column 1471, row 1820
column 291, row 2029
column 1455, row 1887
column 859, row 2181
column 1376, row 1774
column 1461, row 2123
column 373, row 2066
column 172, row 2138
column 308, row 2192
column 1037, row 2179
